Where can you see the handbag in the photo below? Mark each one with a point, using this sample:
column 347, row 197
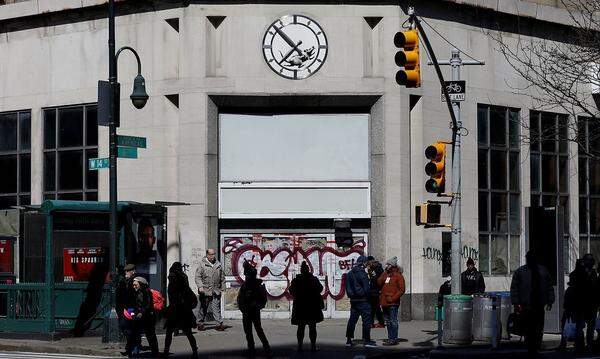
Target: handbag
column 569, row 331
column 515, row 324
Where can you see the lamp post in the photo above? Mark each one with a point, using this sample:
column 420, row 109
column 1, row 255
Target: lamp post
column 138, row 97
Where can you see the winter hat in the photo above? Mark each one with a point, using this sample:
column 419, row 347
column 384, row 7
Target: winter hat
column 141, row 280
column 470, row 262
column 361, row 260
column 249, row 270
column 304, row 267
column 129, row 267
column 392, row 262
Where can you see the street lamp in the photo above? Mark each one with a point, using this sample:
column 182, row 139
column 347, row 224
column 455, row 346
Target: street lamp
column 138, row 97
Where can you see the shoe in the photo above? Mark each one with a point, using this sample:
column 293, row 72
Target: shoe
column 220, row 328
column 251, row 352
column 200, row 327
column 388, row 343
column 314, row 349
column 370, row 344
column 349, row 343
column 378, row 325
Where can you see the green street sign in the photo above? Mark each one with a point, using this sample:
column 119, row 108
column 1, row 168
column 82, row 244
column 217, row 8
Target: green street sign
column 97, row 163
column 131, row 141
column 126, row 152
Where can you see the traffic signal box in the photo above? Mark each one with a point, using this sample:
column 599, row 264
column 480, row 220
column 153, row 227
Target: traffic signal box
column 428, row 213
column 436, row 168
column 408, row 58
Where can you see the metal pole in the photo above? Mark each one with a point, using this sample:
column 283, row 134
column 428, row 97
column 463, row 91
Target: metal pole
column 111, row 331
column 455, row 62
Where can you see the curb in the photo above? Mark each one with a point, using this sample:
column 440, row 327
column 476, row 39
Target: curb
column 103, row 352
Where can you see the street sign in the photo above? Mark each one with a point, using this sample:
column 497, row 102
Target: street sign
column 127, row 152
column 456, row 90
column 131, row 141
column 97, row 163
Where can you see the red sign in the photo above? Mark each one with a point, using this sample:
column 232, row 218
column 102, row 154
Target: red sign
column 79, row 262
column 6, row 259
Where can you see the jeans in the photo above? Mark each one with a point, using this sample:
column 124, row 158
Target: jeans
column 376, row 309
column 391, row 321
column 360, row 309
column 212, row 302
column 252, row 317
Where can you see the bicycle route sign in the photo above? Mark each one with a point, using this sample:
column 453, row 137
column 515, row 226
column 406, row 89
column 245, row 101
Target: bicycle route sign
column 456, row 90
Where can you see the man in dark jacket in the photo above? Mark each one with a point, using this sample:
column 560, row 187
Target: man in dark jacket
column 358, row 290
column 530, row 291
column 472, row 280
column 251, row 298
column 584, row 280
column 375, row 270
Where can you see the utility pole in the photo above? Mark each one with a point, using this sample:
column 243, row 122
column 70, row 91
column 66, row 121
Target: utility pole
column 456, row 62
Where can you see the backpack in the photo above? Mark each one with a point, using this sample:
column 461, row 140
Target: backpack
column 158, row 301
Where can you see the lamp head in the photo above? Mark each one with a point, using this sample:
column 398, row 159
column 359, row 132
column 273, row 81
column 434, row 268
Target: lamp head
column 139, row 97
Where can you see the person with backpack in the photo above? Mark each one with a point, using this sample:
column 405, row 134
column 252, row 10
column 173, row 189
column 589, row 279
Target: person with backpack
column 358, row 290
column 143, row 316
column 392, row 288
column 308, row 305
column 252, row 297
column 180, row 314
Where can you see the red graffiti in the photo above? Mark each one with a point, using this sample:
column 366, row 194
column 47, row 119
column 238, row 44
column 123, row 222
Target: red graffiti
column 277, row 267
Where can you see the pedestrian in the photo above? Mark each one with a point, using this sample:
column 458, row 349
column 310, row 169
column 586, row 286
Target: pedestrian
column 585, row 281
column 308, row 305
column 210, row 280
column 252, row 297
column 124, row 295
column 143, row 317
column 471, row 280
column 392, row 288
column 568, row 314
column 358, row 290
column 446, row 287
column 374, row 270
column 180, row 314
column 530, row 291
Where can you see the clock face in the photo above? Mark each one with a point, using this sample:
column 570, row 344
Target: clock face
column 295, row 47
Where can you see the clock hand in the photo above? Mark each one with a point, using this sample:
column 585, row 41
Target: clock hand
column 289, row 53
column 288, row 40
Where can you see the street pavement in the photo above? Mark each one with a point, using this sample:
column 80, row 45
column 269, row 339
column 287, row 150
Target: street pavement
column 418, row 338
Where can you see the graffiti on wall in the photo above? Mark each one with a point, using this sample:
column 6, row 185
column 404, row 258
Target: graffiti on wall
column 278, row 258
column 439, row 254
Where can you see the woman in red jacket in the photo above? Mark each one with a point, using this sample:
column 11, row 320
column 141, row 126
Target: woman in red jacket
column 392, row 287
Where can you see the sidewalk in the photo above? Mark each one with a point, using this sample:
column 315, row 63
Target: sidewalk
column 418, row 338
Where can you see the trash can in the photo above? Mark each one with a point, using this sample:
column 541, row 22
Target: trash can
column 458, row 312
column 483, row 318
column 505, row 309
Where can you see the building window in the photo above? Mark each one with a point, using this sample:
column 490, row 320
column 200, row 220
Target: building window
column 499, row 189
column 549, row 175
column 15, row 159
column 589, row 187
column 70, row 139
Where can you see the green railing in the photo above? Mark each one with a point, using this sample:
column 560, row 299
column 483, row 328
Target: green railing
column 23, row 307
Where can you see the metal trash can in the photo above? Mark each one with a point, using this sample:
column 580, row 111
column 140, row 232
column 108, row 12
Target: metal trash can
column 505, row 309
column 483, row 318
column 458, row 312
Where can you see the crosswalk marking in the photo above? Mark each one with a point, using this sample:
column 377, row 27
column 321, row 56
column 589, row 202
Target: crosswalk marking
column 48, row 355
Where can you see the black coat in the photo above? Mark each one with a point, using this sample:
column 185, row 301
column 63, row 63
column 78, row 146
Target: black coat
column 521, row 287
column 308, row 302
column 182, row 301
column 252, row 296
column 375, row 271
column 583, row 283
column 472, row 282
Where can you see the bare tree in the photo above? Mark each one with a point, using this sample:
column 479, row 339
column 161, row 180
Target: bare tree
column 561, row 75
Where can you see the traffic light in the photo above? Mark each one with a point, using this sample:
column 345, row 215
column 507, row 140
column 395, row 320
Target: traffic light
column 408, row 58
column 343, row 233
column 436, row 168
column 428, row 213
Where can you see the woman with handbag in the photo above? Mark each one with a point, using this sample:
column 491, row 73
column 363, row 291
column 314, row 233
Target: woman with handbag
column 308, row 305
column 180, row 315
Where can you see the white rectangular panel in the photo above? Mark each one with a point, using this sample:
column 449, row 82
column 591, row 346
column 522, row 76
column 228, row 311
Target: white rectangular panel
column 293, row 200
column 314, row 147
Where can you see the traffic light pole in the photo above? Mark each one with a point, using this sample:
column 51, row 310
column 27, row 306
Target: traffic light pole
column 456, row 62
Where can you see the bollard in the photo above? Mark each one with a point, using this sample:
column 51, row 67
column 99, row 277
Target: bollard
column 440, row 304
column 494, row 320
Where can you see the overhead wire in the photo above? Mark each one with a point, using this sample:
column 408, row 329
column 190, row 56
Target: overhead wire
column 446, row 40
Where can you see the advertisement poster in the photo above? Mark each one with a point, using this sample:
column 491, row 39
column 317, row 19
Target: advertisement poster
column 6, row 259
column 78, row 263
